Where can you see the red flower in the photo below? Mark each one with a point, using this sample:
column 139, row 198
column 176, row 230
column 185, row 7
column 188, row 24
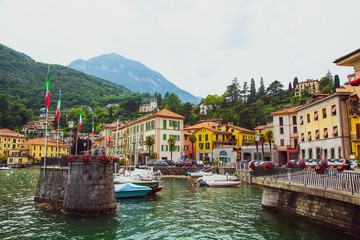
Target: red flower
column 69, row 159
column 105, row 159
column 252, row 165
column 280, row 164
column 86, row 159
column 302, row 164
column 115, row 159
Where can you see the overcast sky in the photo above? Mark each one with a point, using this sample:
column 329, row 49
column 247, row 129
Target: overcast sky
column 200, row 46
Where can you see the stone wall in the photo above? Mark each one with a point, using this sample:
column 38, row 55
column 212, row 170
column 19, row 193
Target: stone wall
column 51, row 186
column 336, row 214
column 245, row 176
column 81, row 188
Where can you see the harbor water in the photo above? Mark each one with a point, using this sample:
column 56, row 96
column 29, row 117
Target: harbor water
column 179, row 211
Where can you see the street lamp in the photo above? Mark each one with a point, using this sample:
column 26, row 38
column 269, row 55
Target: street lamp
column 257, row 138
column 71, row 125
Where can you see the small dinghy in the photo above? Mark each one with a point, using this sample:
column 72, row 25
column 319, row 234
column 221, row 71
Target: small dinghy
column 128, row 190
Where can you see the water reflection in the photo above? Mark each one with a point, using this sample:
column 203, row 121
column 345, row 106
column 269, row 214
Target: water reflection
column 179, row 211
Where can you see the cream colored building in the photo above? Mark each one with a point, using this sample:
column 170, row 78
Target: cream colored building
column 152, row 106
column 312, row 85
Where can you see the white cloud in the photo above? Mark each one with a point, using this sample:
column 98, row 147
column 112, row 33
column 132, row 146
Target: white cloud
column 198, row 45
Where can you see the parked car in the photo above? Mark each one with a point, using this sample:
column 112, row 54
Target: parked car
column 157, row 163
column 170, row 162
column 189, row 163
column 180, row 163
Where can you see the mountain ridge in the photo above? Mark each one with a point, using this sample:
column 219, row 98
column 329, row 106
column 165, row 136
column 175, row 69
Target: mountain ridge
column 131, row 74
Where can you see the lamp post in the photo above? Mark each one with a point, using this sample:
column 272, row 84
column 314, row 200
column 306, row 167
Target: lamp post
column 71, row 125
column 257, row 138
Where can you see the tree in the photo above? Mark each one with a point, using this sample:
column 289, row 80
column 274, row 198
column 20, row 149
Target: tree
column 173, row 102
column 233, row 92
column 245, row 91
column 214, row 102
column 275, row 88
column 336, row 81
column 192, row 139
column 295, row 82
column 252, row 94
column 171, row 142
column 290, row 87
column 269, row 137
column 149, row 141
column 326, row 85
column 262, row 140
column 262, row 91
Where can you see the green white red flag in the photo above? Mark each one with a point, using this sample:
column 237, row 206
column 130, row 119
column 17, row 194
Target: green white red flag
column 47, row 86
column 93, row 128
column 110, row 136
column 103, row 132
column 80, row 120
column 58, row 108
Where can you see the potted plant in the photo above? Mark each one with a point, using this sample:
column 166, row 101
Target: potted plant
column 105, row 159
column 302, row 164
column 319, row 169
column 252, row 165
column 340, row 168
column 86, row 159
column 69, row 159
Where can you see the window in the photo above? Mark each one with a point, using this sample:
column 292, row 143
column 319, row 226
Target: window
column 324, row 112
column 294, row 129
column 207, row 145
column 325, row 133
column 294, row 119
column 316, row 116
column 201, row 146
column 281, row 142
column 332, row 153
column 317, row 135
column 335, row 131
column 303, row 153
column 325, row 153
column 309, row 136
column 301, row 120
column 357, row 126
column 14, row 140
column 200, row 138
column 281, row 130
column 308, row 117
column 310, row 153
column 281, row 123
column 295, row 142
column 223, row 153
column 186, row 147
column 206, row 137
column 302, row 137
column 333, row 110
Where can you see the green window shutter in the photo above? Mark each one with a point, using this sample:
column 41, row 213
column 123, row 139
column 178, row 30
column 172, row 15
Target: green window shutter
column 167, row 147
column 162, row 146
column 164, row 136
column 164, row 124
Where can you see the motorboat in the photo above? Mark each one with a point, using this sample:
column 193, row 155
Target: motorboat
column 199, row 173
column 5, row 168
column 217, row 180
column 128, row 190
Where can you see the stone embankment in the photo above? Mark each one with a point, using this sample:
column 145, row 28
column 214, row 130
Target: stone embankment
column 82, row 188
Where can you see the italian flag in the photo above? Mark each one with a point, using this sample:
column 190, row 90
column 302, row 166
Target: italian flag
column 103, row 133
column 110, row 136
column 80, row 120
column 58, row 108
column 47, row 86
column 93, row 129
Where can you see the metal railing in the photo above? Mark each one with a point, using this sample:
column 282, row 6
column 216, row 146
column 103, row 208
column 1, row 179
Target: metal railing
column 330, row 179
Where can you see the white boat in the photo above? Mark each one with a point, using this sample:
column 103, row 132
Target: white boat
column 200, row 173
column 5, row 168
column 128, row 190
column 217, row 180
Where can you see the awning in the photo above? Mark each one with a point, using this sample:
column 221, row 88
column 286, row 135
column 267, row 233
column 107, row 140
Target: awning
column 355, row 82
column 315, row 115
column 301, row 120
column 325, row 133
column 335, row 130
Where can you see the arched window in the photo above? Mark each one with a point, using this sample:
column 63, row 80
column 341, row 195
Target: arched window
column 223, row 153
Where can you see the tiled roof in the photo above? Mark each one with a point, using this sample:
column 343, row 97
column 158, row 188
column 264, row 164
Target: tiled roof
column 201, row 125
column 287, row 110
column 347, row 55
column 9, row 133
column 168, row 113
column 261, row 127
column 241, row 129
column 41, row 141
column 216, row 131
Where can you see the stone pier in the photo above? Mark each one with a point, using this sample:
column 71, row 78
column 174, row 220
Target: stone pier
column 81, row 188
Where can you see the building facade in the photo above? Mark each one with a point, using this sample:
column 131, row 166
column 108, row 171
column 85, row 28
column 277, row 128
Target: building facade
column 9, row 140
column 311, row 85
column 152, row 106
column 324, row 128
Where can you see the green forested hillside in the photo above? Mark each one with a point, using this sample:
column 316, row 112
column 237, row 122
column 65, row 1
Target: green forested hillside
column 22, row 81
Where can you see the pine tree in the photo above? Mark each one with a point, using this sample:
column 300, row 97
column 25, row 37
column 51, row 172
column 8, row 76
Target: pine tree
column 295, row 82
column 245, row 91
column 262, row 91
column 336, row 81
column 252, row 94
column 290, row 87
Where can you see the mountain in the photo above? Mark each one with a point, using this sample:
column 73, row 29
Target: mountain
column 22, row 81
column 131, row 74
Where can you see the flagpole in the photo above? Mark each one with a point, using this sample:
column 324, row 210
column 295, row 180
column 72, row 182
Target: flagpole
column 47, row 110
column 57, row 147
column 116, row 147
column 77, row 135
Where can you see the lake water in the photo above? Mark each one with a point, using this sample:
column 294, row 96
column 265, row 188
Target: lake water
column 179, row 211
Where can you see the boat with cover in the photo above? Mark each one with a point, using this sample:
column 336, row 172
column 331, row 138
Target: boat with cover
column 199, row 173
column 218, row 180
column 128, row 190
column 5, row 168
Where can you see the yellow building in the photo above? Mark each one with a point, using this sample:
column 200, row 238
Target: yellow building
column 311, row 85
column 324, row 128
column 34, row 149
column 243, row 136
column 9, row 140
column 210, row 138
column 352, row 60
